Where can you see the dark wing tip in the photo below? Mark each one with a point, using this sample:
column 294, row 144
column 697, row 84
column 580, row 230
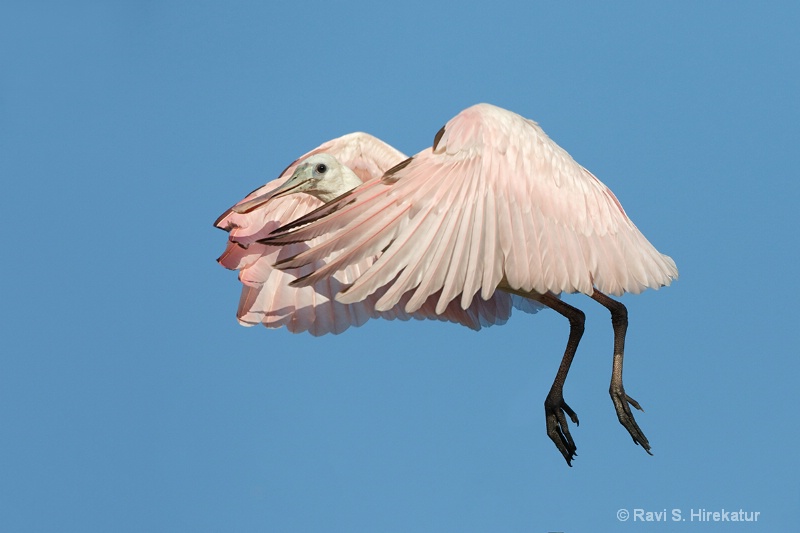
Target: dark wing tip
column 438, row 137
column 299, row 282
column 317, row 214
column 389, row 175
column 279, row 240
column 281, row 264
column 218, row 222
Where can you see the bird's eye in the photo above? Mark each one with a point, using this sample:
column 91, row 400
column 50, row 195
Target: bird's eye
column 321, row 168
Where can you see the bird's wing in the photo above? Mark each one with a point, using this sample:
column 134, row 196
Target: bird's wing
column 266, row 295
column 494, row 200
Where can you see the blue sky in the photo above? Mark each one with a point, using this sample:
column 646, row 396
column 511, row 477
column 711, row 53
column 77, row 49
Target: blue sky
column 131, row 400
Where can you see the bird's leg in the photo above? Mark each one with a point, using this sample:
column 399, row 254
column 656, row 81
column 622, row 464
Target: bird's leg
column 554, row 404
column 622, row 402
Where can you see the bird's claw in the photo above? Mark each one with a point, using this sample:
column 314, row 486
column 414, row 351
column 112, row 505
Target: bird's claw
column 622, row 403
column 557, row 428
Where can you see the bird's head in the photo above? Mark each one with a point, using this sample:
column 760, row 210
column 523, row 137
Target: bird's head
column 320, row 175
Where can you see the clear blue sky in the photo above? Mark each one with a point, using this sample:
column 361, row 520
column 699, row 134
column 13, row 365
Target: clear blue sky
column 131, row 400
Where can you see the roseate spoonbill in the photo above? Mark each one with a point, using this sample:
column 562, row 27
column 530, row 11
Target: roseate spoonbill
column 267, row 297
column 494, row 206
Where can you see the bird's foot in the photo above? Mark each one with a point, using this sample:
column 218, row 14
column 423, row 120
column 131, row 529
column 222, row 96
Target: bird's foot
column 622, row 403
column 557, row 428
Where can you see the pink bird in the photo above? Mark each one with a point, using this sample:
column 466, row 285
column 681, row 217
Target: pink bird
column 493, row 207
column 267, row 297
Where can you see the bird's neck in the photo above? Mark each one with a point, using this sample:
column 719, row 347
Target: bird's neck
column 348, row 182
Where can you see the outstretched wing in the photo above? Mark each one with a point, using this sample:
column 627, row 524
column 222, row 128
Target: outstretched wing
column 268, row 299
column 493, row 201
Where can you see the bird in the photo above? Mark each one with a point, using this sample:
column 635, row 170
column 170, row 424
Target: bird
column 494, row 206
column 267, row 297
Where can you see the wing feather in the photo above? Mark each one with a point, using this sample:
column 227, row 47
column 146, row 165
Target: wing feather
column 470, row 240
column 538, row 219
column 267, row 297
column 442, row 265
